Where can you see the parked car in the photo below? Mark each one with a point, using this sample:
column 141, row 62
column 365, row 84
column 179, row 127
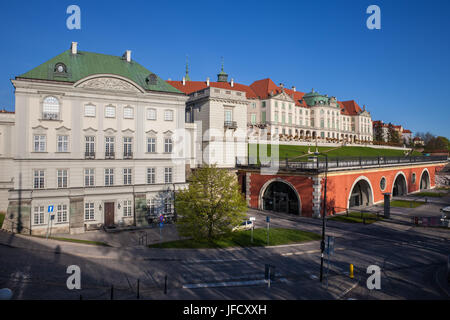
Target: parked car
column 245, row 225
column 445, row 218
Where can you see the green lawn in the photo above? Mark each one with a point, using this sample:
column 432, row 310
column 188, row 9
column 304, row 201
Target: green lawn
column 406, row 204
column 355, row 217
column 2, row 217
column 294, row 151
column 429, row 194
column 277, row 236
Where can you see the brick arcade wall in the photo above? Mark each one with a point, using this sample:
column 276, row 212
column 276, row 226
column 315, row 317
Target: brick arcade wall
column 340, row 184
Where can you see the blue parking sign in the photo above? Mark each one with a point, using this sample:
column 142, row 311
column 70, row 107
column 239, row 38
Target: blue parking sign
column 50, row 208
column 161, row 224
column 267, row 219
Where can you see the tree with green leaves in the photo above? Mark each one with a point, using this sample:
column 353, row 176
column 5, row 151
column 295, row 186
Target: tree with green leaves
column 393, row 135
column 211, row 206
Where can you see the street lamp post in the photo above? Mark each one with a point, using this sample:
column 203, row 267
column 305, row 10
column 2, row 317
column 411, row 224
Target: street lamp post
column 322, row 243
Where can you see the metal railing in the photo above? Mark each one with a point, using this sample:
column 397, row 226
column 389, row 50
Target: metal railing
column 89, row 155
column 109, row 155
column 320, row 163
column 128, row 155
column 230, row 124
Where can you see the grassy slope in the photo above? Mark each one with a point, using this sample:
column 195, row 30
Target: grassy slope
column 277, row 236
column 406, row 204
column 2, row 217
column 355, row 217
column 295, row 151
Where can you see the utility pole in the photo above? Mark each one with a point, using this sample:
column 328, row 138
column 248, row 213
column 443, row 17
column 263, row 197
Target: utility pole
column 322, row 243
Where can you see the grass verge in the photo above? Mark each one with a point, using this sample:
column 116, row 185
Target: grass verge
column 2, row 218
column 406, row 204
column 429, row 194
column 355, row 217
column 277, row 236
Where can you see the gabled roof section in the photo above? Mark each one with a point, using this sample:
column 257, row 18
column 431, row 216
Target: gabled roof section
column 350, row 108
column 193, row 86
column 265, row 88
column 84, row 64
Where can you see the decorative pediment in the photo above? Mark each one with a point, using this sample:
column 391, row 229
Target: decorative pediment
column 110, row 130
column 109, row 83
column 151, row 132
column 128, row 131
column 90, row 130
column 40, row 129
column 168, row 133
column 284, row 97
column 63, row 129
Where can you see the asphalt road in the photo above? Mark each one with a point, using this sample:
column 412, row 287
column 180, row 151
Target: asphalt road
column 409, row 258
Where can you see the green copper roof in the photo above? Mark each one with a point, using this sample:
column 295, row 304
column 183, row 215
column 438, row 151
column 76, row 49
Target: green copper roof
column 85, row 64
column 312, row 98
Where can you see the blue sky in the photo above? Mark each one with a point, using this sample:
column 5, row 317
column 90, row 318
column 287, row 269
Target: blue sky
column 401, row 72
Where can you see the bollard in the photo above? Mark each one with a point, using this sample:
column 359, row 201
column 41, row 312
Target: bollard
column 351, row 271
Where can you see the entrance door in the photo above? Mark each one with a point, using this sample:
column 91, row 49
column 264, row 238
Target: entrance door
column 109, row 214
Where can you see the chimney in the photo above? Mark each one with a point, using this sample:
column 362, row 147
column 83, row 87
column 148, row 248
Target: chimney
column 184, row 81
column 232, row 82
column 207, row 82
column 127, row 55
column 294, row 89
column 74, row 47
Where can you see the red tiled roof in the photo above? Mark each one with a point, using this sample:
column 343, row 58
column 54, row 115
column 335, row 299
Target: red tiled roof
column 350, row 107
column 192, row 86
column 406, row 131
column 266, row 87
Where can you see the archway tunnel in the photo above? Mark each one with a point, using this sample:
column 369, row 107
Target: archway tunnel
column 361, row 194
column 400, row 188
column 281, row 197
column 425, row 181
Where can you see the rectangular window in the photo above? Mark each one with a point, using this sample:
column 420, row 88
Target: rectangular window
column 39, row 179
column 89, row 211
column 38, row 215
column 89, row 146
column 62, row 178
column 89, row 177
column 127, row 208
column 63, row 143
column 110, row 112
column 61, row 213
column 253, row 118
column 127, row 176
column 276, row 117
column 127, row 147
column 168, row 115
column 151, row 175
column 167, row 175
column 263, row 117
column 283, row 118
column 109, row 146
column 39, row 143
column 109, row 177
column 290, row 118
column 167, row 205
column 263, row 104
column 89, row 110
column 151, row 144
column 168, row 145
column 151, row 206
column 228, row 116
column 151, row 114
column 128, row 113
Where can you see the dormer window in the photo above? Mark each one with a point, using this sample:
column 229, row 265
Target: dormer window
column 151, row 79
column 50, row 109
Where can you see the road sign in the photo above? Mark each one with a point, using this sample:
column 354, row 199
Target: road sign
column 161, row 224
column 161, row 218
column 329, row 247
column 52, row 217
column 50, row 208
column 252, row 219
column 267, row 219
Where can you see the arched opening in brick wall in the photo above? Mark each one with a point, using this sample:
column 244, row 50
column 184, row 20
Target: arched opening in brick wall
column 400, row 187
column 425, row 180
column 361, row 194
column 280, row 196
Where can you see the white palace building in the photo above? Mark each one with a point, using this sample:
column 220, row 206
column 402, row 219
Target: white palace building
column 106, row 142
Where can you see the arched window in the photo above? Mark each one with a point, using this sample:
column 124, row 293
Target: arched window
column 50, row 108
